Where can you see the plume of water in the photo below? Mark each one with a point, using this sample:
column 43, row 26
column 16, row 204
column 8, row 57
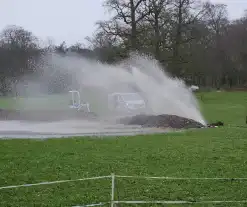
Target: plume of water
column 142, row 74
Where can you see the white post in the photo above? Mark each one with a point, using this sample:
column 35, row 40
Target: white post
column 79, row 98
column 73, row 100
column 112, row 189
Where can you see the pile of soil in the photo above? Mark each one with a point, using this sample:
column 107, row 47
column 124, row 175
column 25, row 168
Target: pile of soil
column 44, row 115
column 161, row 121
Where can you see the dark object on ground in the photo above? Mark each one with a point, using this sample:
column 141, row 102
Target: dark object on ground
column 165, row 121
column 161, row 121
column 216, row 124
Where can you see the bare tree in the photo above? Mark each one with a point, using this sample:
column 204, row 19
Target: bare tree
column 19, row 53
column 216, row 17
column 129, row 12
column 217, row 22
column 159, row 20
column 17, row 37
column 185, row 14
column 62, row 48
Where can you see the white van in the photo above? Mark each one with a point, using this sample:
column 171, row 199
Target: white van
column 126, row 101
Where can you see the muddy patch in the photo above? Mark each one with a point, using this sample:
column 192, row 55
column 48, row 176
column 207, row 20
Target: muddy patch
column 44, row 115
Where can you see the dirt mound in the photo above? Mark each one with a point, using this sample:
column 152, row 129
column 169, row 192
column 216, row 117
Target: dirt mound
column 161, row 121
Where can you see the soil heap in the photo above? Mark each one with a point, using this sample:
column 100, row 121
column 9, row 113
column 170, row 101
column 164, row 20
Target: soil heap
column 161, row 121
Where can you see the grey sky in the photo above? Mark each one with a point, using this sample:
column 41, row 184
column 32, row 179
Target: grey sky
column 71, row 20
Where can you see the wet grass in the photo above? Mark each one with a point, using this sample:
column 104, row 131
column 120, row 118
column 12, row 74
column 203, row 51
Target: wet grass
column 197, row 153
column 230, row 107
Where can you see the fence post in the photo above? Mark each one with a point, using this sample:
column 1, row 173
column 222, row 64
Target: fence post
column 112, row 189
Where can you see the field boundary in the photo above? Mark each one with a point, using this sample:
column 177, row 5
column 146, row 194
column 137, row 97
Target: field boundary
column 53, row 182
column 113, row 178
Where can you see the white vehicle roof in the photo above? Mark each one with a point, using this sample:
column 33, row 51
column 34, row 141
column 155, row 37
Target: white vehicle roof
column 120, row 93
column 128, row 96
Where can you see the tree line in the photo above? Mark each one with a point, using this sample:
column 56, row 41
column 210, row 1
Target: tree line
column 193, row 40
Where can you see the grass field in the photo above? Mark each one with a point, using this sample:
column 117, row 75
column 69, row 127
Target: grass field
column 218, row 152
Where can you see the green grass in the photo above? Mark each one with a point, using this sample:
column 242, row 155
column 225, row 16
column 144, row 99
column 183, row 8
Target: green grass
column 7, row 102
column 198, row 153
column 231, row 107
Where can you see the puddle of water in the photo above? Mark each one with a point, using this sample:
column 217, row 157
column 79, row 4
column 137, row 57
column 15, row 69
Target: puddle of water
column 22, row 129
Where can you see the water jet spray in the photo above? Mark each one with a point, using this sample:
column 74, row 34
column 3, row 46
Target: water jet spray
column 163, row 95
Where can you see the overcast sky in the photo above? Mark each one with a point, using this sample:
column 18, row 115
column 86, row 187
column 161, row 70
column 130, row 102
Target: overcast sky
column 72, row 20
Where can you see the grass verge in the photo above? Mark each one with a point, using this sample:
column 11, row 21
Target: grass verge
column 197, row 153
